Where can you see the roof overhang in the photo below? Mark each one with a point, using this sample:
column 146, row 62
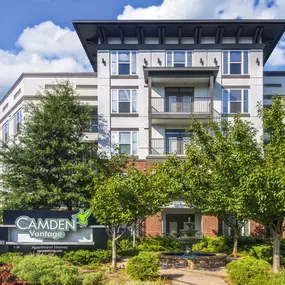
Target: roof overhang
column 265, row 34
column 180, row 75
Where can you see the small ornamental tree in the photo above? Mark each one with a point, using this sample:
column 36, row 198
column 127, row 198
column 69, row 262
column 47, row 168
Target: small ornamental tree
column 265, row 189
column 125, row 199
column 218, row 159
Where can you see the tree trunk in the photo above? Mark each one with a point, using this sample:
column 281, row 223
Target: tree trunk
column 276, row 252
column 134, row 237
column 236, row 235
column 114, row 248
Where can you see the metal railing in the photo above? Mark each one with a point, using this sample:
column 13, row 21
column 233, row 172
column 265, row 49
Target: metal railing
column 168, row 146
column 184, row 104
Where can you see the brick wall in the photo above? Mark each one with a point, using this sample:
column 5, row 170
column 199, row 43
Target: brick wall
column 256, row 229
column 210, row 226
column 152, row 226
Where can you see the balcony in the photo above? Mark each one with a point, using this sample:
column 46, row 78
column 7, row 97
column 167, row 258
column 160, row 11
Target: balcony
column 178, row 110
column 165, row 146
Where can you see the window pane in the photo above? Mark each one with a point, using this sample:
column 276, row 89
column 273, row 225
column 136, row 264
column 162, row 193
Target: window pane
column 245, row 101
column 235, row 56
column 124, row 56
column 124, row 95
column 235, row 107
column 125, row 148
column 134, row 101
column 235, row 68
column 226, row 61
column 169, row 58
column 135, row 143
column 134, row 62
column 124, row 137
column 179, row 56
column 124, row 107
column 124, row 68
column 114, row 62
column 235, row 95
column 225, row 101
column 245, row 62
column 114, row 101
column 179, row 64
column 189, row 58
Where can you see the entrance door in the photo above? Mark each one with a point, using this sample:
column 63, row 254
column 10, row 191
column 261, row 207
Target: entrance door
column 178, row 99
column 177, row 222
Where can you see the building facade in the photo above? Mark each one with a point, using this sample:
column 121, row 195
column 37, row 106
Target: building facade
column 151, row 76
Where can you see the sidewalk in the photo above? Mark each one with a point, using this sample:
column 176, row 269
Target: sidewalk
column 185, row 276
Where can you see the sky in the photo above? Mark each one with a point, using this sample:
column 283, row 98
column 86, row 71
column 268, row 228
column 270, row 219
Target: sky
column 38, row 36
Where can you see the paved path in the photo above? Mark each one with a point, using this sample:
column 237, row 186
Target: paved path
column 195, row 277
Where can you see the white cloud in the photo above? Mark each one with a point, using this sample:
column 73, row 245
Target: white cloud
column 214, row 9
column 197, row 9
column 43, row 48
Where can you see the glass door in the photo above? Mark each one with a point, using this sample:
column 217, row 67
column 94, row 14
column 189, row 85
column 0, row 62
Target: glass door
column 178, row 99
column 176, row 141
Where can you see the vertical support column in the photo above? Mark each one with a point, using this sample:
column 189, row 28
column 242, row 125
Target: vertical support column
column 149, row 115
column 212, row 97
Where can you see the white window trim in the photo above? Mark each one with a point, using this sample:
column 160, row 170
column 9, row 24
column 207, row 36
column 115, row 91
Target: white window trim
column 6, row 124
column 117, row 62
column 117, row 143
column 185, row 57
column 229, row 230
column 242, row 101
column 242, row 63
column 19, row 112
column 117, row 99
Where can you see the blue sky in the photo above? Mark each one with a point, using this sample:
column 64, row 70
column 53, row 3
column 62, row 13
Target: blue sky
column 38, row 36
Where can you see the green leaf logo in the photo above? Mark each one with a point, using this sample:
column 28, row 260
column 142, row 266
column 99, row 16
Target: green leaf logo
column 82, row 217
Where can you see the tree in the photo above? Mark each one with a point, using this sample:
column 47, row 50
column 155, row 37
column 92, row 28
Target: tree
column 218, row 160
column 264, row 190
column 125, row 199
column 50, row 166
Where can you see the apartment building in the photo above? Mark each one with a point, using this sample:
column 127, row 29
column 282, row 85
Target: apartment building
column 12, row 105
column 150, row 76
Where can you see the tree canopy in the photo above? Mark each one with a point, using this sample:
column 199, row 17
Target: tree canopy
column 49, row 166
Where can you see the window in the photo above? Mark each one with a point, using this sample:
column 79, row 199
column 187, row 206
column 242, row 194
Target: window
column 235, row 62
column 18, row 121
column 94, row 121
column 126, row 142
column 235, row 101
column 179, row 58
column 245, row 230
column 124, row 62
column 6, row 131
column 124, row 101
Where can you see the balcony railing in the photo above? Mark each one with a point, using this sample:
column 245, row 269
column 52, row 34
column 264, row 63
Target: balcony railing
column 184, row 104
column 169, row 145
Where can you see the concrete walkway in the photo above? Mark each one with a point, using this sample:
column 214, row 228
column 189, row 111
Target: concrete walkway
column 185, row 276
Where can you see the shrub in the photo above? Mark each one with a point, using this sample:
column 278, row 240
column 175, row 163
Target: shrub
column 159, row 244
column 92, row 278
column 211, row 244
column 11, row 258
column 263, row 252
column 84, row 257
column 46, row 270
column 144, row 266
column 7, row 278
column 248, row 271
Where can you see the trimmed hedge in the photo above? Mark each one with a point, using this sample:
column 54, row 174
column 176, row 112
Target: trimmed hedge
column 92, row 278
column 212, row 244
column 248, row 271
column 11, row 258
column 159, row 244
column 46, row 270
column 143, row 267
column 85, row 257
